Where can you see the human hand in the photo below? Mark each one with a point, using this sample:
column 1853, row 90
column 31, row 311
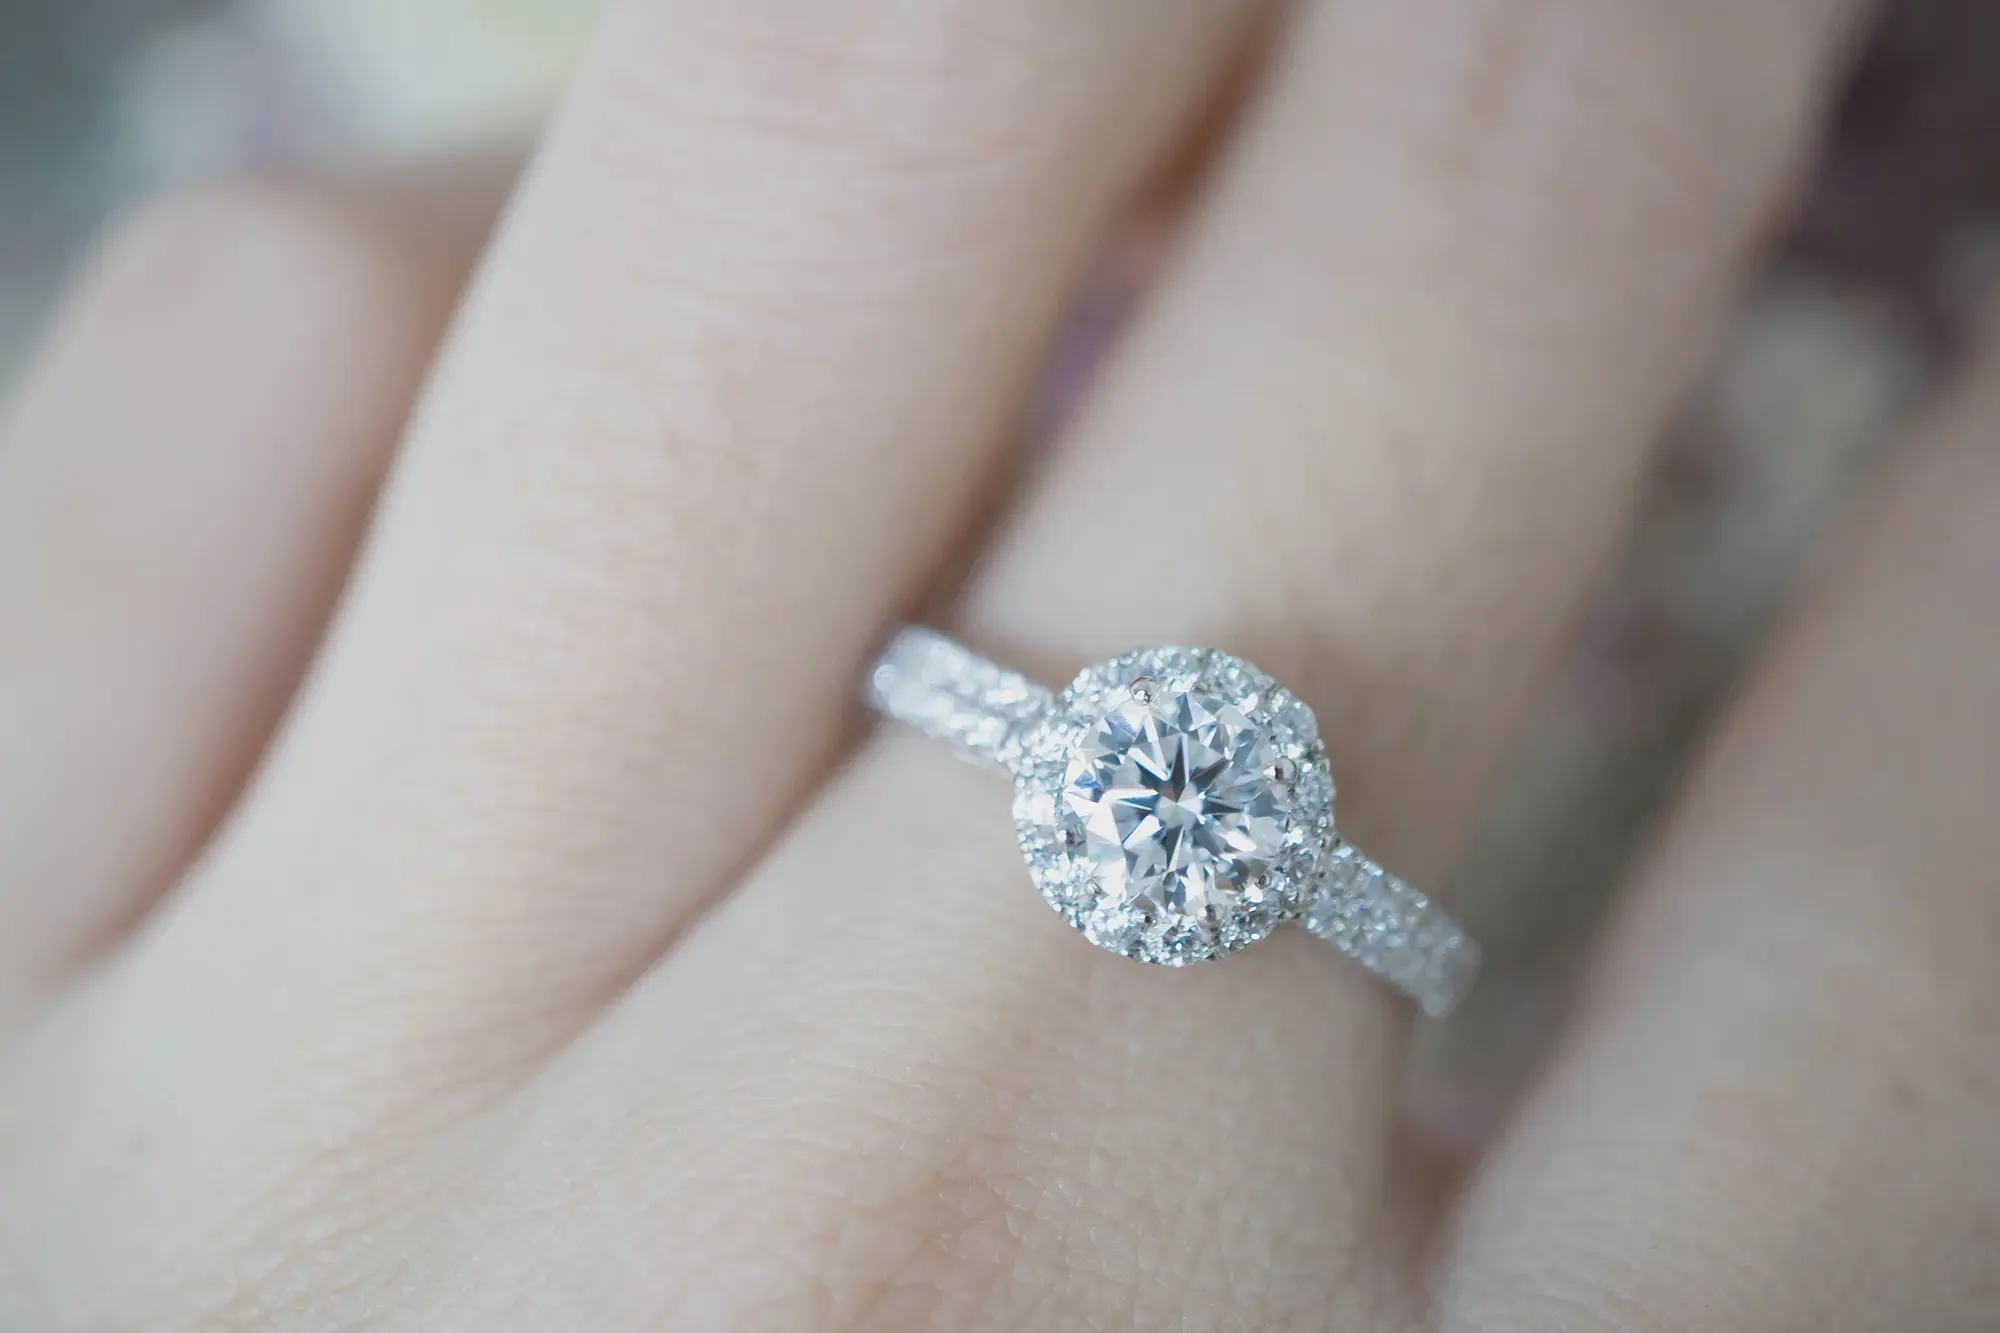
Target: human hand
column 569, row 961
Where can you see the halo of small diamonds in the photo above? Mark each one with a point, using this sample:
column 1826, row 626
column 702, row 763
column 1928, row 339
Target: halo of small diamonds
column 1175, row 804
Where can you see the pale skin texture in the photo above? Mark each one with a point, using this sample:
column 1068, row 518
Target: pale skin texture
column 572, row 959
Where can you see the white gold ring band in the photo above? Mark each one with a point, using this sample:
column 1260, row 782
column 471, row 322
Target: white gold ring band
column 1175, row 804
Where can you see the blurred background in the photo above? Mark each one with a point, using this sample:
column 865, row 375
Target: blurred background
column 1864, row 300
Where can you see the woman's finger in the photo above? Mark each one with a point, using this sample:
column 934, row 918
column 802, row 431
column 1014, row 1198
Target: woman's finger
column 182, row 481
column 1375, row 433
column 1780, row 1108
column 738, row 366
column 734, row 376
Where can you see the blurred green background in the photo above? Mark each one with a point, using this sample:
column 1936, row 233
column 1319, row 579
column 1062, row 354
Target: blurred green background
column 1864, row 300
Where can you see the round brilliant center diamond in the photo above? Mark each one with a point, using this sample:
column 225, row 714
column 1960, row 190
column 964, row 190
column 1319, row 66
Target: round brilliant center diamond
column 1176, row 800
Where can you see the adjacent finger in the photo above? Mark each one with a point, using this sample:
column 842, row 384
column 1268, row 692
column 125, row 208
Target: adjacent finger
column 1375, row 432
column 734, row 375
column 1780, row 1107
column 739, row 364
column 182, row 481
column 1415, row 385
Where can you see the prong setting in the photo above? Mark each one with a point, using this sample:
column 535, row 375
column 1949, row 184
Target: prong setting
column 1175, row 805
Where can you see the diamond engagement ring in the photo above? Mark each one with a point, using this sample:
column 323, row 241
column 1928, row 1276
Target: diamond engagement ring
column 1174, row 805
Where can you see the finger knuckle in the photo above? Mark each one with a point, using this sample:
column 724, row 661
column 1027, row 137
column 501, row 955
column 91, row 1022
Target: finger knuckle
column 913, row 116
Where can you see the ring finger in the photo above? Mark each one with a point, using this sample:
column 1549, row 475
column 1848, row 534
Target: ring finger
column 1375, row 434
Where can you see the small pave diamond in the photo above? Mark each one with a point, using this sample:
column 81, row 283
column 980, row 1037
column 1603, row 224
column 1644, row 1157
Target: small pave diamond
column 941, row 689
column 1391, row 929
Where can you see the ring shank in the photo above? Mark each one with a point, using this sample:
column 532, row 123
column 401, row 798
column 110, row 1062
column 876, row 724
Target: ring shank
column 1388, row 927
column 950, row 693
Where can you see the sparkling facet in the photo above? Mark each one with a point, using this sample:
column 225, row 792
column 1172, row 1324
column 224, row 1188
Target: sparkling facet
column 1173, row 805
column 1170, row 800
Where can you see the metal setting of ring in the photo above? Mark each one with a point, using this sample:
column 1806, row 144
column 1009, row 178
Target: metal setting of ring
column 1174, row 805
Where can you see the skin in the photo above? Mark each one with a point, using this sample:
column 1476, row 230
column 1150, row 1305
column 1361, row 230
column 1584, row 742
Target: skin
column 535, row 941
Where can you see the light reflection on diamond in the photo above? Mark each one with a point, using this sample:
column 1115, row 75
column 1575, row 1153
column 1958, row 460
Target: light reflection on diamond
column 1175, row 807
column 1181, row 820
